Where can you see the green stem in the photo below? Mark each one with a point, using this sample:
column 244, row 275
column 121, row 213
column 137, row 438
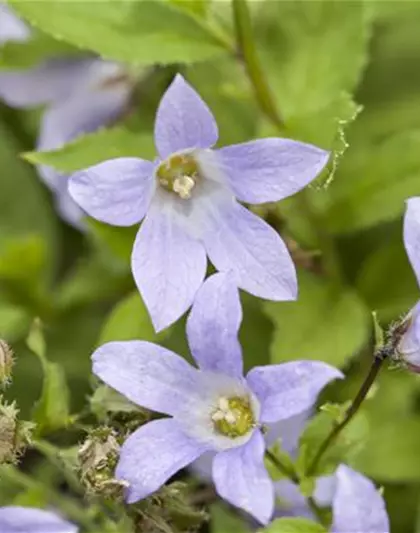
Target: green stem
column 248, row 53
column 281, row 467
column 316, row 511
column 69, row 508
column 378, row 360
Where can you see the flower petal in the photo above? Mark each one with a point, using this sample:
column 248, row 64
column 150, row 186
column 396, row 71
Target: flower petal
column 290, row 388
column 213, row 326
column 268, row 170
column 409, row 344
column 66, row 206
column 152, row 455
column 412, row 234
column 29, row 520
column 168, row 266
column 51, row 81
column 241, row 479
column 183, row 120
column 288, row 431
column 117, row 192
column 357, row 504
column 12, row 28
column 148, row 375
column 239, row 241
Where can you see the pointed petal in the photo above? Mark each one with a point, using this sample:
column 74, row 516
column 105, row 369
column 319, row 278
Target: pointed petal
column 51, row 81
column 183, row 120
column 148, row 375
column 412, row 234
column 290, row 388
column 117, row 192
column 30, row 520
column 241, row 479
column 268, row 170
column 152, row 455
column 358, row 504
column 239, row 241
column 213, row 326
column 409, row 344
column 168, row 266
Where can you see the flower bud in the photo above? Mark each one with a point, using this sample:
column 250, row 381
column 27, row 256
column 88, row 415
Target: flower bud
column 408, row 339
column 98, row 457
column 6, row 363
column 14, row 434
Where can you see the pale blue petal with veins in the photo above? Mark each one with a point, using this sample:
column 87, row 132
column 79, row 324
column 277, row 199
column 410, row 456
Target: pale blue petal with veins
column 195, row 205
column 214, row 409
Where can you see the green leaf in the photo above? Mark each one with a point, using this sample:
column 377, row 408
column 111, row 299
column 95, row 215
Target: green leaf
column 224, row 521
column 391, row 454
column 14, row 321
column 294, row 525
column 314, row 52
column 129, row 320
column 371, row 185
column 93, row 148
column 326, row 323
column 24, row 206
column 52, row 411
column 140, row 33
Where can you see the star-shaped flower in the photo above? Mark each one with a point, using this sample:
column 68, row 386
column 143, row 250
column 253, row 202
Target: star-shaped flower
column 212, row 408
column 81, row 94
column 188, row 197
column 30, row 520
column 409, row 346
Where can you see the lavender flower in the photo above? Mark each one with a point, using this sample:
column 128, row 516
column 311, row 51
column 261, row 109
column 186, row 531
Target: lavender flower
column 81, row 94
column 213, row 408
column 188, row 196
column 409, row 346
column 29, row 520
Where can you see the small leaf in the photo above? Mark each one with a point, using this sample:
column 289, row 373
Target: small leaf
column 53, row 408
column 294, row 525
column 93, row 148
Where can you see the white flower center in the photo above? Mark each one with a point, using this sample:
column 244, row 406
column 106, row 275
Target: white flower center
column 183, row 186
column 233, row 417
column 179, row 174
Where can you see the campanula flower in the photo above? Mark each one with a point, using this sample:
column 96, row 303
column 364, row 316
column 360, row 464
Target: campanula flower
column 30, row 520
column 188, row 197
column 212, row 408
column 81, row 95
column 409, row 345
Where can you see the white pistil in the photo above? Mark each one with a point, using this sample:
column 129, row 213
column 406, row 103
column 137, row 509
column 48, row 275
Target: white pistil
column 183, row 185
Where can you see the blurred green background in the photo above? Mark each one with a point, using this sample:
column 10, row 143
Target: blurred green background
column 344, row 75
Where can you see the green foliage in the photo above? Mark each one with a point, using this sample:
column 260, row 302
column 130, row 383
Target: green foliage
column 52, row 410
column 93, row 148
column 129, row 320
column 327, row 323
column 223, row 521
column 140, row 33
column 344, row 449
column 294, row 525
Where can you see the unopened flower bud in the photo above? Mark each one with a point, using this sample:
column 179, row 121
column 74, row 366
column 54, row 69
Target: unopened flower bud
column 6, row 363
column 14, row 434
column 407, row 335
column 98, row 457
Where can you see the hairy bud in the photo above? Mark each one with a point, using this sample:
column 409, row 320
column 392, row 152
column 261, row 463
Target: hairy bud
column 14, row 435
column 6, row 363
